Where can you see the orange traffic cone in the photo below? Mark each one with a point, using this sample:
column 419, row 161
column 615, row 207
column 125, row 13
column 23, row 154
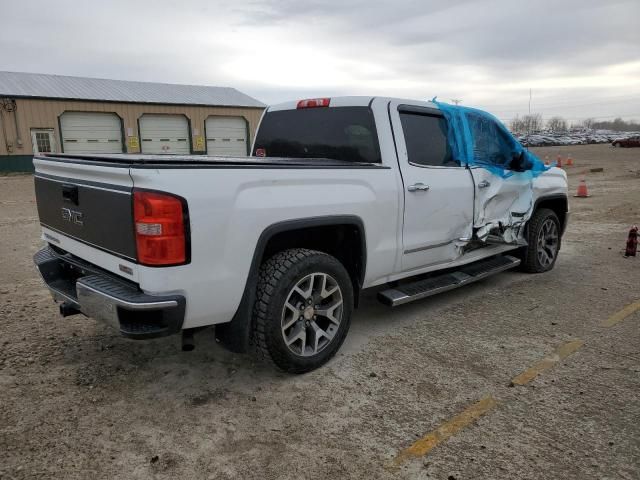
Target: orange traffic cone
column 582, row 189
column 569, row 161
column 559, row 162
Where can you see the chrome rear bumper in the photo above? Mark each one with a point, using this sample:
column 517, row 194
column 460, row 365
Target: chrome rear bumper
column 87, row 289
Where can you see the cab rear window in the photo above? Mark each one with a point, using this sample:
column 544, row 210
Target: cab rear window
column 338, row 133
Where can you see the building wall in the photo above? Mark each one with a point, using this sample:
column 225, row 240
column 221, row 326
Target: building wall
column 44, row 113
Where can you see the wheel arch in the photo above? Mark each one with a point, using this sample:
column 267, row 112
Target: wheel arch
column 307, row 233
column 559, row 204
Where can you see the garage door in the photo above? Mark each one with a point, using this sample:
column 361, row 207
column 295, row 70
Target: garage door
column 226, row 136
column 91, row 132
column 164, row 134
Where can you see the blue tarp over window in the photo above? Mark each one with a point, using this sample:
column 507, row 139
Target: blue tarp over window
column 478, row 138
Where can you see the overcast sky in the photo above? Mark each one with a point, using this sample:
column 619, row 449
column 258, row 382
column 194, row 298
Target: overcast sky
column 580, row 58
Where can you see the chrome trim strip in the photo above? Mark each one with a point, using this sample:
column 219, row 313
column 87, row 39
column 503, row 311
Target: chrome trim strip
column 66, row 234
column 126, row 304
column 79, row 183
column 427, row 247
column 439, row 167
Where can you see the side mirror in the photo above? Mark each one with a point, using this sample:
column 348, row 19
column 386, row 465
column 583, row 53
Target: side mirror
column 518, row 162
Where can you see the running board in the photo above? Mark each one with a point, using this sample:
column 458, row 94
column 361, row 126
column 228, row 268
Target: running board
column 447, row 281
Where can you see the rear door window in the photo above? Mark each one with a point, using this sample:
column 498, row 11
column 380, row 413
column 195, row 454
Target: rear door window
column 426, row 139
column 337, row 133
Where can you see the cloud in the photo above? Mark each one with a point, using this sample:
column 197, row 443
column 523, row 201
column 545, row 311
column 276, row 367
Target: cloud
column 580, row 57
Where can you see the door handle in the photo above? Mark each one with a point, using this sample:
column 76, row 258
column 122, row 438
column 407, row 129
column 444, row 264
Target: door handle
column 70, row 193
column 418, row 187
column 484, row 184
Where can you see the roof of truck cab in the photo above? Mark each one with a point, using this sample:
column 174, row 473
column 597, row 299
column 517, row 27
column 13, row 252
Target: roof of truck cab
column 353, row 101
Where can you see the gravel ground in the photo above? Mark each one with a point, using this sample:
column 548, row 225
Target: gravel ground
column 77, row 401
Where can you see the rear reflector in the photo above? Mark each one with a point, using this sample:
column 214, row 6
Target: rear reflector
column 314, row 103
column 161, row 236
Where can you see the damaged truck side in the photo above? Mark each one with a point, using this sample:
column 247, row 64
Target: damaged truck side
column 340, row 195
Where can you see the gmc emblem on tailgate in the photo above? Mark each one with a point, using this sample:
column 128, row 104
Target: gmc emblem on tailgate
column 72, row 216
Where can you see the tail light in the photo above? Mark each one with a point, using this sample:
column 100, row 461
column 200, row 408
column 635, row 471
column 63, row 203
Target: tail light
column 314, row 103
column 160, row 228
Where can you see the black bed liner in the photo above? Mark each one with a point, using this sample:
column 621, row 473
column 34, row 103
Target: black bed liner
column 201, row 161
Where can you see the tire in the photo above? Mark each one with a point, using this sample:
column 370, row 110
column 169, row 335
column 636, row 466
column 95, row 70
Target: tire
column 296, row 339
column 543, row 238
column 616, row 145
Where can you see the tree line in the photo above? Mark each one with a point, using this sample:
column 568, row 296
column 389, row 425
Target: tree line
column 535, row 123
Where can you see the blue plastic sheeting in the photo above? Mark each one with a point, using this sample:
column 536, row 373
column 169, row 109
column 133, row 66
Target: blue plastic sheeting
column 478, row 138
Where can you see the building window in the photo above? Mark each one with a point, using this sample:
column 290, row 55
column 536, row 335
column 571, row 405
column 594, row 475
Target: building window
column 43, row 141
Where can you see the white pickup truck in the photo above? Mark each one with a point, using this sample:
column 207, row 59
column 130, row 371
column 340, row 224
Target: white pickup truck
column 340, row 195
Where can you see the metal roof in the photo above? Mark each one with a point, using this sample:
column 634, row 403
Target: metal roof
column 38, row 85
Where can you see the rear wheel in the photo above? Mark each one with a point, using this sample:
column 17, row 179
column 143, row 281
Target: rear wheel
column 543, row 238
column 303, row 309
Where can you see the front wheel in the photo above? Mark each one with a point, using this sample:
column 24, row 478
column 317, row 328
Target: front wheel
column 302, row 313
column 543, row 238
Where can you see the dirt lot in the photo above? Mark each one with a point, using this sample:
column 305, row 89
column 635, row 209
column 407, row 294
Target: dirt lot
column 77, row 401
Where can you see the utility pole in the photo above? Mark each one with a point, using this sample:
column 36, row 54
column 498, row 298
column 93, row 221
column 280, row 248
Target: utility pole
column 456, row 100
column 529, row 120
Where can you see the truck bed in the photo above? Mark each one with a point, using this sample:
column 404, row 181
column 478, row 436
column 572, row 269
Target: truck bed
column 201, row 161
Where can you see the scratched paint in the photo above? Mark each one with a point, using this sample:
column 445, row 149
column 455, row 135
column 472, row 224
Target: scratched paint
column 560, row 353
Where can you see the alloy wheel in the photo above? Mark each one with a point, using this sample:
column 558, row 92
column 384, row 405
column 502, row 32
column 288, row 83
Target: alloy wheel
column 312, row 314
column 547, row 245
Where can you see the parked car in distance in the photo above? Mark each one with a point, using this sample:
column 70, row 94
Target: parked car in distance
column 627, row 142
column 340, row 195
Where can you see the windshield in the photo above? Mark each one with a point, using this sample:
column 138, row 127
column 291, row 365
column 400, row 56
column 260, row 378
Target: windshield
column 339, row 133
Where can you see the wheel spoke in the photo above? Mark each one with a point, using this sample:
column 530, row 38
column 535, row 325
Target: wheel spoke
column 549, row 252
column 303, row 341
column 544, row 258
column 299, row 333
column 327, row 292
column 317, row 334
column 290, row 315
column 288, row 305
column 329, row 312
column 306, row 293
column 295, row 334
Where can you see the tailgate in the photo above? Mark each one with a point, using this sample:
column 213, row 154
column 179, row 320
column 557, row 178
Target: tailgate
column 88, row 203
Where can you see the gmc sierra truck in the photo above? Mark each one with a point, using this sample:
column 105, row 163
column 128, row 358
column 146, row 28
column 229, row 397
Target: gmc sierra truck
column 339, row 195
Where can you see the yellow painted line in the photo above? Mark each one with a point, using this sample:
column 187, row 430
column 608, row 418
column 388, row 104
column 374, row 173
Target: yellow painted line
column 560, row 353
column 427, row 443
column 621, row 315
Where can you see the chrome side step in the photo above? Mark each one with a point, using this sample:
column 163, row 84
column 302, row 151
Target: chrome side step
column 447, row 281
